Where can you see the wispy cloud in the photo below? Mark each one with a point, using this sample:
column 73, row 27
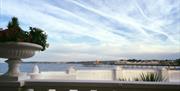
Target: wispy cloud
column 105, row 29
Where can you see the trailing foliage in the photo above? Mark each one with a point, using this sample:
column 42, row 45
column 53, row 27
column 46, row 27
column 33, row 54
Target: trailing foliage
column 150, row 77
column 38, row 36
column 14, row 33
column 124, row 79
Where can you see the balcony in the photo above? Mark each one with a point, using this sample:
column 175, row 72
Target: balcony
column 79, row 85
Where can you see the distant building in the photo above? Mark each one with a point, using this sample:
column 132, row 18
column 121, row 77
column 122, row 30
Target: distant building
column 97, row 61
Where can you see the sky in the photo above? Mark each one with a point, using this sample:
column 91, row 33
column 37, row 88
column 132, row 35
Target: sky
column 85, row 30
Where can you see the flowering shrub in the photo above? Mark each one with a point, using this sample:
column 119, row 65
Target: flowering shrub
column 14, row 33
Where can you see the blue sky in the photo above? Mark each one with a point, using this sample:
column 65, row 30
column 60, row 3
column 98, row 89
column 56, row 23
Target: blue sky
column 80, row 30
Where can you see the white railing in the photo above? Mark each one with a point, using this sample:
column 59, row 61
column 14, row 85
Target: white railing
column 67, row 85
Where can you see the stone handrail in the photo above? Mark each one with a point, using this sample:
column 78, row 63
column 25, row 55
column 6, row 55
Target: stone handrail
column 69, row 85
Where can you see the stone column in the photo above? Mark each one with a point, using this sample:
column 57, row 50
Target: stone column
column 118, row 73
column 13, row 65
column 164, row 73
column 13, row 73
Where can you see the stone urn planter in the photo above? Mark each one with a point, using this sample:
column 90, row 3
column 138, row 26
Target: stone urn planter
column 14, row 52
column 17, row 44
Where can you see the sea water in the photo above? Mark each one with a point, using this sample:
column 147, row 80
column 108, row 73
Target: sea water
column 28, row 67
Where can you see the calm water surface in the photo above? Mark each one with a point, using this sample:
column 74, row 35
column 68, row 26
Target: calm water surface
column 27, row 67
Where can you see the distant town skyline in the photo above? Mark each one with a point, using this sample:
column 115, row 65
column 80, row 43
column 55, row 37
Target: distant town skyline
column 100, row 29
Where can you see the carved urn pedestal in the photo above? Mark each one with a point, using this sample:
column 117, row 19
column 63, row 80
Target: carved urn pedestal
column 14, row 52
